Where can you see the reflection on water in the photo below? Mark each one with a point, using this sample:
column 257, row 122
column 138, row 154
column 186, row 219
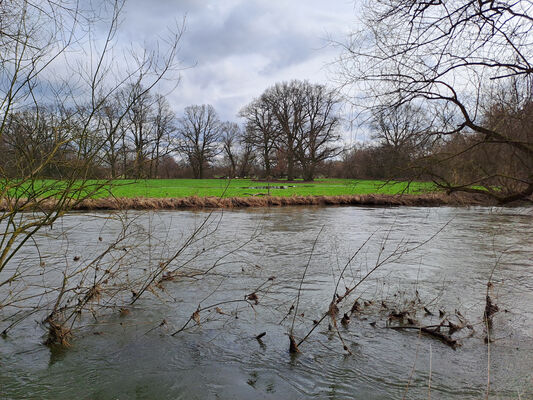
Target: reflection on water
column 126, row 358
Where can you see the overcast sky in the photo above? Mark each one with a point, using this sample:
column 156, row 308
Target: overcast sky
column 237, row 48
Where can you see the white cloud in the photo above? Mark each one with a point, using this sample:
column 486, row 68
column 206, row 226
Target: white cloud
column 240, row 47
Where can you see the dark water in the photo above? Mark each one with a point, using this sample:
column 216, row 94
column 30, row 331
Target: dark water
column 131, row 357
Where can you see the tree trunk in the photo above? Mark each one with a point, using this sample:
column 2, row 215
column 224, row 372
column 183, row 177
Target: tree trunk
column 201, row 170
column 290, row 167
column 267, row 164
column 309, row 173
column 233, row 168
column 113, row 170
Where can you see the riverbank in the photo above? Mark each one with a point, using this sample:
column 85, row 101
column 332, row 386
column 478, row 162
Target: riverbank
column 211, row 202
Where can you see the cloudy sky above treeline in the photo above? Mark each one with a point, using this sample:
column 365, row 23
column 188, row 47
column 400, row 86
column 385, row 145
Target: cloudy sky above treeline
column 232, row 50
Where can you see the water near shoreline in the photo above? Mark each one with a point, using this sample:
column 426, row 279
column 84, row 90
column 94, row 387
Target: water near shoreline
column 133, row 357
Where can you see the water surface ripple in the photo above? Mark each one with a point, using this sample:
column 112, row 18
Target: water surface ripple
column 128, row 359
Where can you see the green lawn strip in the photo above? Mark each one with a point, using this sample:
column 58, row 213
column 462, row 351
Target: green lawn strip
column 160, row 188
column 52, row 188
column 246, row 187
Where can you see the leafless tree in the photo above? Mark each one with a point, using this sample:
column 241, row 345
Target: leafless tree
column 316, row 142
column 44, row 109
column 164, row 127
column 237, row 149
column 199, row 134
column 231, row 134
column 247, row 157
column 402, row 134
column 140, row 128
column 31, row 141
column 260, row 131
column 114, row 131
column 285, row 101
column 299, row 120
column 402, row 127
column 447, row 56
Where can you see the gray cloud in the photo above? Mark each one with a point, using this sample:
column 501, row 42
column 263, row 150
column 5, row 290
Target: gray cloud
column 240, row 47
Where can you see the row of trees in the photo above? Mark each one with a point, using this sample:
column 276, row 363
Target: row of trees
column 445, row 92
column 409, row 143
column 292, row 125
column 467, row 66
column 133, row 132
column 127, row 135
column 290, row 130
column 298, row 120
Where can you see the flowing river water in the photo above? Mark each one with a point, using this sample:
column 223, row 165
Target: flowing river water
column 119, row 355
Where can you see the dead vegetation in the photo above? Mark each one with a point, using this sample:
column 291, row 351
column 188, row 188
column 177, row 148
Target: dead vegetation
column 74, row 291
column 444, row 330
column 407, row 314
column 58, row 333
column 194, row 202
column 401, row 312
column 100, row 285
column 488, row 313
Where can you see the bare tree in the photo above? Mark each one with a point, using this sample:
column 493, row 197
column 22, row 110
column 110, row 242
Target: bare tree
column 300, row 120
column 402, row 134
column 238, row 150
column 447, row 56
column 199, row 132
column 231, row 134
column 140, row 128
column 317, row 140
column 260, row 131
column 32, row 142
column 163, row 131
column 285, row 101
column 401, row 127
column 113, row 126
column 247, row 157
column 34, row 37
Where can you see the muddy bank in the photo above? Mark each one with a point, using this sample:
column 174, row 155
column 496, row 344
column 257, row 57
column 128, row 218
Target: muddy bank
column 140, row 203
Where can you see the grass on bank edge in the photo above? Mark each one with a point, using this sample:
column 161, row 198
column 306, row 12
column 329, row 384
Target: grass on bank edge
column 180, row 188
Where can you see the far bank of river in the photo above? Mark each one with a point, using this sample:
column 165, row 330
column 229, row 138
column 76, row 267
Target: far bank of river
column 212, row 202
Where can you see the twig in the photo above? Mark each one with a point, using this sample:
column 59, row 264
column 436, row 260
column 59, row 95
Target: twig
column 430, row 371
column 198, row 310
column 412, row 369
column 488, row 361
column 379, row 263
column 302, row 280
column 431, row 332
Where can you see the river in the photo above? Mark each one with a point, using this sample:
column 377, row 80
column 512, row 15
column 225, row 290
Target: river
column 442, row 256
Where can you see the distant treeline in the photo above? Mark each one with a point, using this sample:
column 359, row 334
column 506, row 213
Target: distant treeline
column 293, row 130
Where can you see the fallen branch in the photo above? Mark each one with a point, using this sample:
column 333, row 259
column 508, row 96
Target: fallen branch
column 433, row 332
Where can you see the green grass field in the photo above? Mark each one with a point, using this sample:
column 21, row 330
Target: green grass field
column 247, row 187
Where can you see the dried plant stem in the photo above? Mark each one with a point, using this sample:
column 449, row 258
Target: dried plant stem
column 431, row 200
column 411, row 374
column 200, row 309
column 430, row 371
column 302, row 280
column 396, row 254
column 488, row 361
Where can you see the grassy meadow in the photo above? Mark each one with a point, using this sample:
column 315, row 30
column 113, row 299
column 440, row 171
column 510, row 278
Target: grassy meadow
column 224, row 188
column 179, row 188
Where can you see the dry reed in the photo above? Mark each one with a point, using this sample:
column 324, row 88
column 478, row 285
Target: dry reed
column 195, row 202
